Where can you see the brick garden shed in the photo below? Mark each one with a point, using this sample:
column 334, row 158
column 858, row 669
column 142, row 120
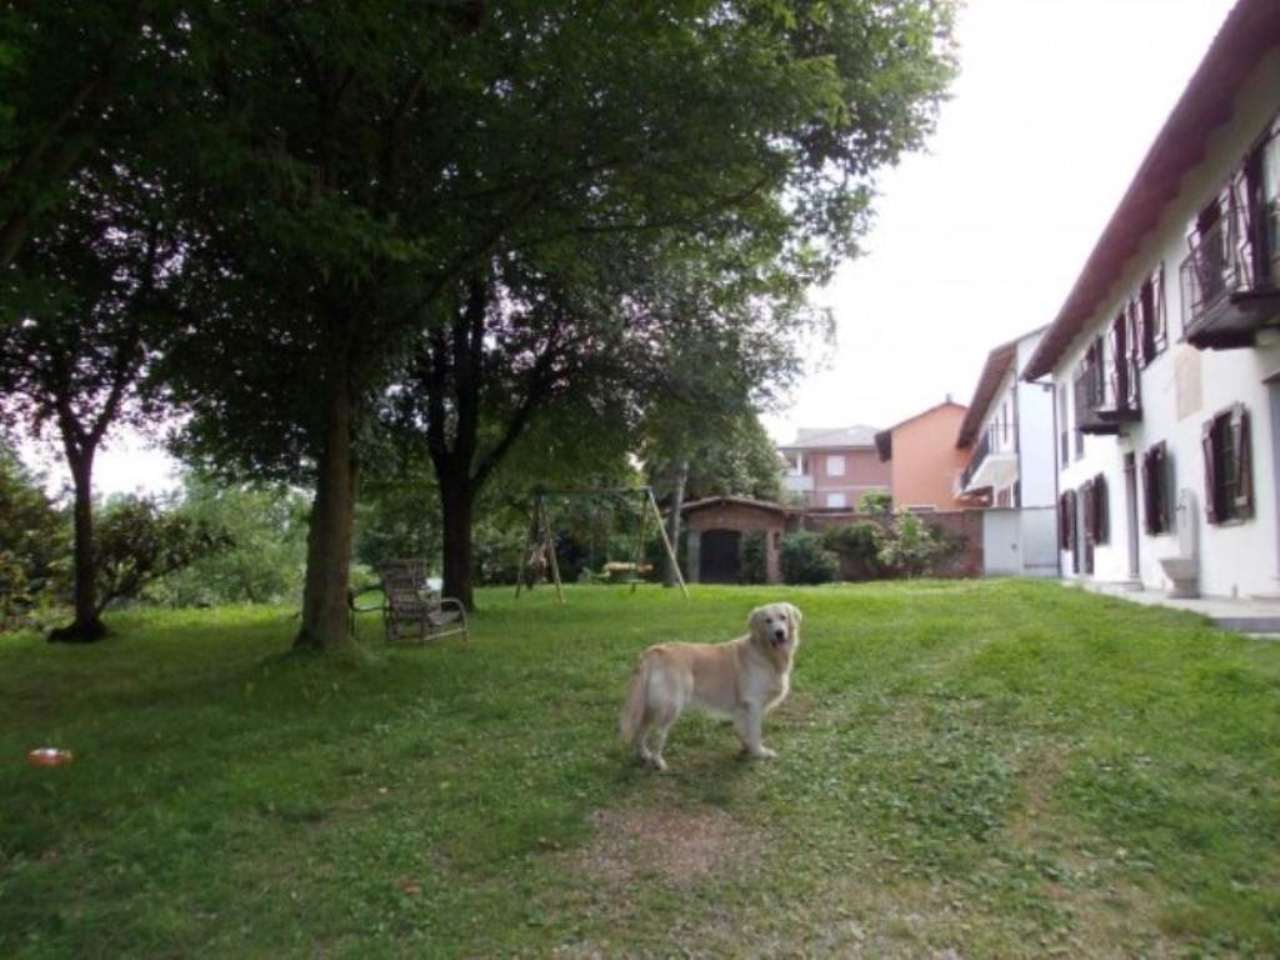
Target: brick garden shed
column 716, row 527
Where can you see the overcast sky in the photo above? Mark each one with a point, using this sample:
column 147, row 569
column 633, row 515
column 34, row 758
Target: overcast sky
column 981, row 238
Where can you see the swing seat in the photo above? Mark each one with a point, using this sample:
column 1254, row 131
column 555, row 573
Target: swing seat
column 619, row 572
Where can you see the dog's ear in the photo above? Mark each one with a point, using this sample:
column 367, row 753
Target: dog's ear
column 794, row 612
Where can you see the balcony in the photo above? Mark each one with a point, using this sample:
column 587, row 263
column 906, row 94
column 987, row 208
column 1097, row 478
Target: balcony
column 1107, row 395
column 1230, row 280
column 994, row 463
column 797, row 482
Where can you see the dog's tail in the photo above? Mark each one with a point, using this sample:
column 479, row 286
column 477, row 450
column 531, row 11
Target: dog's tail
column 637, row 703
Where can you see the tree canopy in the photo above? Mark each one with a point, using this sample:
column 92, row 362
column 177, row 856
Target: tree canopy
column 476, row 213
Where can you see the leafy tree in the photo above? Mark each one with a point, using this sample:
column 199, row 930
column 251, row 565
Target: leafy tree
column 493, row 194
column 264, row 561
column 83, row 316
column 139, row 543
column 34, row 539
column 77, row 79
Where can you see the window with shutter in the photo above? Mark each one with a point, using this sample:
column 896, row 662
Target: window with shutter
column 1159, row 315
column 1157, row 482
column 1087, row 506
column 1071, row 519
column 1228, row 466
column 1063, row 443
column 1101, row 510
column 1146, row 310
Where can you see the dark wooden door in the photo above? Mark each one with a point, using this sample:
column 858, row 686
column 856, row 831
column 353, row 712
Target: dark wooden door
column 721, row 556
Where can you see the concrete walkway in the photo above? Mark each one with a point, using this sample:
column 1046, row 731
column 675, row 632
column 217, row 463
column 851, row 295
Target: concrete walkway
column 1246, row 615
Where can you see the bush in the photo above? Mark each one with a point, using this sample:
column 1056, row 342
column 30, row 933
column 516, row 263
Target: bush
column 806, row 560
column 265, row 564
column 912, row 547
column 877, row 501
column 496, row 553
column 754, row 564
column 859, row 547
column 35, row 544
column 138, row 542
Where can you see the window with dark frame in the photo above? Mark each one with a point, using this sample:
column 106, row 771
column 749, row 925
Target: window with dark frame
column 1066, row 521
column 1157, row 487
column 1101, row 511
column 1062, row 423
column 1228, row 470
column 1081, row 373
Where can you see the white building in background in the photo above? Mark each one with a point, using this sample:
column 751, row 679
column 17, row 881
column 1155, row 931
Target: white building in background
column 1009, row 431
column 1165, row 358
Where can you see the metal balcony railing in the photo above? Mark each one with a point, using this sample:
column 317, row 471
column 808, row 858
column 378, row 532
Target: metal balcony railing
column 1106, row 388
column 996, row 439
column 1229, row 280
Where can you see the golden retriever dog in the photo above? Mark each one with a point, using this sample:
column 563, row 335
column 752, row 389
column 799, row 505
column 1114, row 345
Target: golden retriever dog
column 743, row 679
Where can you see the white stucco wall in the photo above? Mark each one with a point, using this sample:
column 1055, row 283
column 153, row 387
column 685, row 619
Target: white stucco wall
column 1237, row 560
column 1031, row 409
column 1036, row 437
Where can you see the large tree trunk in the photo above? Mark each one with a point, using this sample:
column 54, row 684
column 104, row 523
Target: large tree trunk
column 457, row 500
column 87, row 627
column 324, row 600
column 673, row 522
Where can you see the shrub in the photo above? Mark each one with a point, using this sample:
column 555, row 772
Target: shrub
column 912, row 547
column 754, row 565
column 496, row 553
column 268, row 526
column 859, row 547
column 138, row 542
column 35, row 543
column 877, row 502
column 806, row 560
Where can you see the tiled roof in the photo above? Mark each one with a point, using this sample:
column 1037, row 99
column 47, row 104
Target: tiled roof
column 807, row 438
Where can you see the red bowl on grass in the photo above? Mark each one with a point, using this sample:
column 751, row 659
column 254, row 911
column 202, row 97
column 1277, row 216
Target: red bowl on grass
column 49, row 757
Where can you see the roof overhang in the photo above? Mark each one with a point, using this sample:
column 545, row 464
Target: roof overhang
column 708, row 502
column 1251, row 29
column 994, row 371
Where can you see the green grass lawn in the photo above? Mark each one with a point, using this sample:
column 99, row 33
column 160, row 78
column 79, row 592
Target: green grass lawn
column 998, row 769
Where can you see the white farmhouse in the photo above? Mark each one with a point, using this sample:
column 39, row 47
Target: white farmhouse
column 1165, row 358
column 1008, row 433
column 1009, row 429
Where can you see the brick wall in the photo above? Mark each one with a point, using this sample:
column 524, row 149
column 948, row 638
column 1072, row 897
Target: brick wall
column 963, row 523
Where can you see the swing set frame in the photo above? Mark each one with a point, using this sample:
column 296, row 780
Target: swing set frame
column 539, row 528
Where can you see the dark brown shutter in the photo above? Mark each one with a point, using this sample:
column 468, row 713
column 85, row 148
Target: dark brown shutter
column 1159, row 320
column 1244, row 461
column 1148, row 501
column 1210, row 472
column 1064, row 536
column 1087, row 505
column 1166, row 489
column 1138, row 310
column 1133, row 350
column 1071, row 519
column 1101, row 510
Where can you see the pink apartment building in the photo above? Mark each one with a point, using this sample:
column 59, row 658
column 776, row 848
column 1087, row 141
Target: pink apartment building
column 833, row 468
